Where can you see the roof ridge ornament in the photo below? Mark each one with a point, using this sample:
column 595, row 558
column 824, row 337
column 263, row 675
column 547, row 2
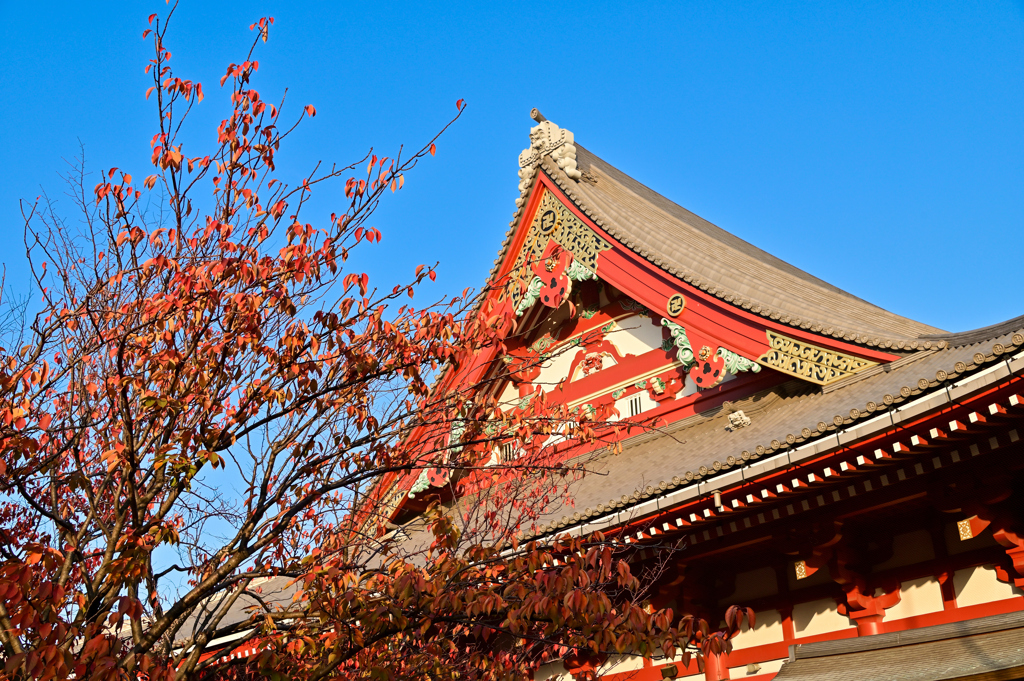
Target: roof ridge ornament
column 547, row 139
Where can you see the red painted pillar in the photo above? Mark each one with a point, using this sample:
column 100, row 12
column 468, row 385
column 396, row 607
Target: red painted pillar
column 715, row 667
column 788, row 628
column 868, row 611
column 868, row 624
column 948, row 590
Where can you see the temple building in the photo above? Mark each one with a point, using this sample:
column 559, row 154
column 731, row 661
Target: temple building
column 852, row 475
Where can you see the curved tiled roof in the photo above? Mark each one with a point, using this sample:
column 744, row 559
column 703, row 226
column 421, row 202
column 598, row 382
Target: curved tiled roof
column 710, row 258
column 985, row 648
column 782, row 417
column 698, row 251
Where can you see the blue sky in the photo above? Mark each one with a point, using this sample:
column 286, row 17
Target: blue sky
column 879, row 146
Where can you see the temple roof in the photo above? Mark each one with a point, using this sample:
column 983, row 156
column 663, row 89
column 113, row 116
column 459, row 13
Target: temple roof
column 704, row 255
column 668, row 465
column 700, row 252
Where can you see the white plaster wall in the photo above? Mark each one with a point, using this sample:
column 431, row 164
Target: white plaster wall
column 646, row 403
column 635, row 335
column 509, row 396
column 557, row 368
column 767, row 629
column 977, row 585
column 917, row 597
column 818, row 617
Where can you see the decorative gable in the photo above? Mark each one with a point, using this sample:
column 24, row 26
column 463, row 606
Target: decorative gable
column 559, row 249
column 596, row 323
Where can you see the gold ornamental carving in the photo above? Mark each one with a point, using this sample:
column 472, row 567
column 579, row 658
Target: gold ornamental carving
column 963, row 528
column 675, row 305
column 554, row 221
column 810, row 362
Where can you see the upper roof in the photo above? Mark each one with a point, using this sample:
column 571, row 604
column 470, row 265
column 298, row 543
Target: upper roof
column 794, row 412
column 702, row 254
column 698, row 251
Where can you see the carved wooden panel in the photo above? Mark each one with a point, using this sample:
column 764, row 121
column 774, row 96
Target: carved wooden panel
column 810, row 362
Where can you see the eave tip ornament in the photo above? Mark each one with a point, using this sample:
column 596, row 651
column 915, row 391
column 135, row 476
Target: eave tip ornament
column 546, row 139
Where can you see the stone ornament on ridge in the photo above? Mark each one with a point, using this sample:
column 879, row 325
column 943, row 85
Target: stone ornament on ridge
column 738, row 419
column 547, row 139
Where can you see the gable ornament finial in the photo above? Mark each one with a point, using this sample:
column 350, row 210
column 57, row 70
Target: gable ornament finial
column 546, row 139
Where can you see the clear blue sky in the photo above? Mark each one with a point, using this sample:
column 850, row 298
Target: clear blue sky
column 879, row 146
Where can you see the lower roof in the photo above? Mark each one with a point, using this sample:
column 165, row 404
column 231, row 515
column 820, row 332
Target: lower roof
column 979, row 648
column 793, row 412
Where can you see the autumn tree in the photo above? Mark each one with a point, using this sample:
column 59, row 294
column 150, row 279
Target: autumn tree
column 209, row 409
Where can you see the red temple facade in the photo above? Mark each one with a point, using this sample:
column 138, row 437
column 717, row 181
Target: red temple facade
column 852, row 475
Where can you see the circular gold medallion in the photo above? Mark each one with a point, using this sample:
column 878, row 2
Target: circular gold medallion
column 675, row 305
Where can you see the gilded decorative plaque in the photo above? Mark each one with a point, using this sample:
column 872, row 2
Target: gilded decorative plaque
column 809, row 362
column 554, row 221
column 675, row 305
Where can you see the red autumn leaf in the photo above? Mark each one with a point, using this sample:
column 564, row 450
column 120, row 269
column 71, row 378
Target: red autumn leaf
column 433, row 148
column 459, row 104
column 310, row 110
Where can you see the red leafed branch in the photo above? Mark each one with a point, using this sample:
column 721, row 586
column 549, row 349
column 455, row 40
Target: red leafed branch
column 207, row 424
